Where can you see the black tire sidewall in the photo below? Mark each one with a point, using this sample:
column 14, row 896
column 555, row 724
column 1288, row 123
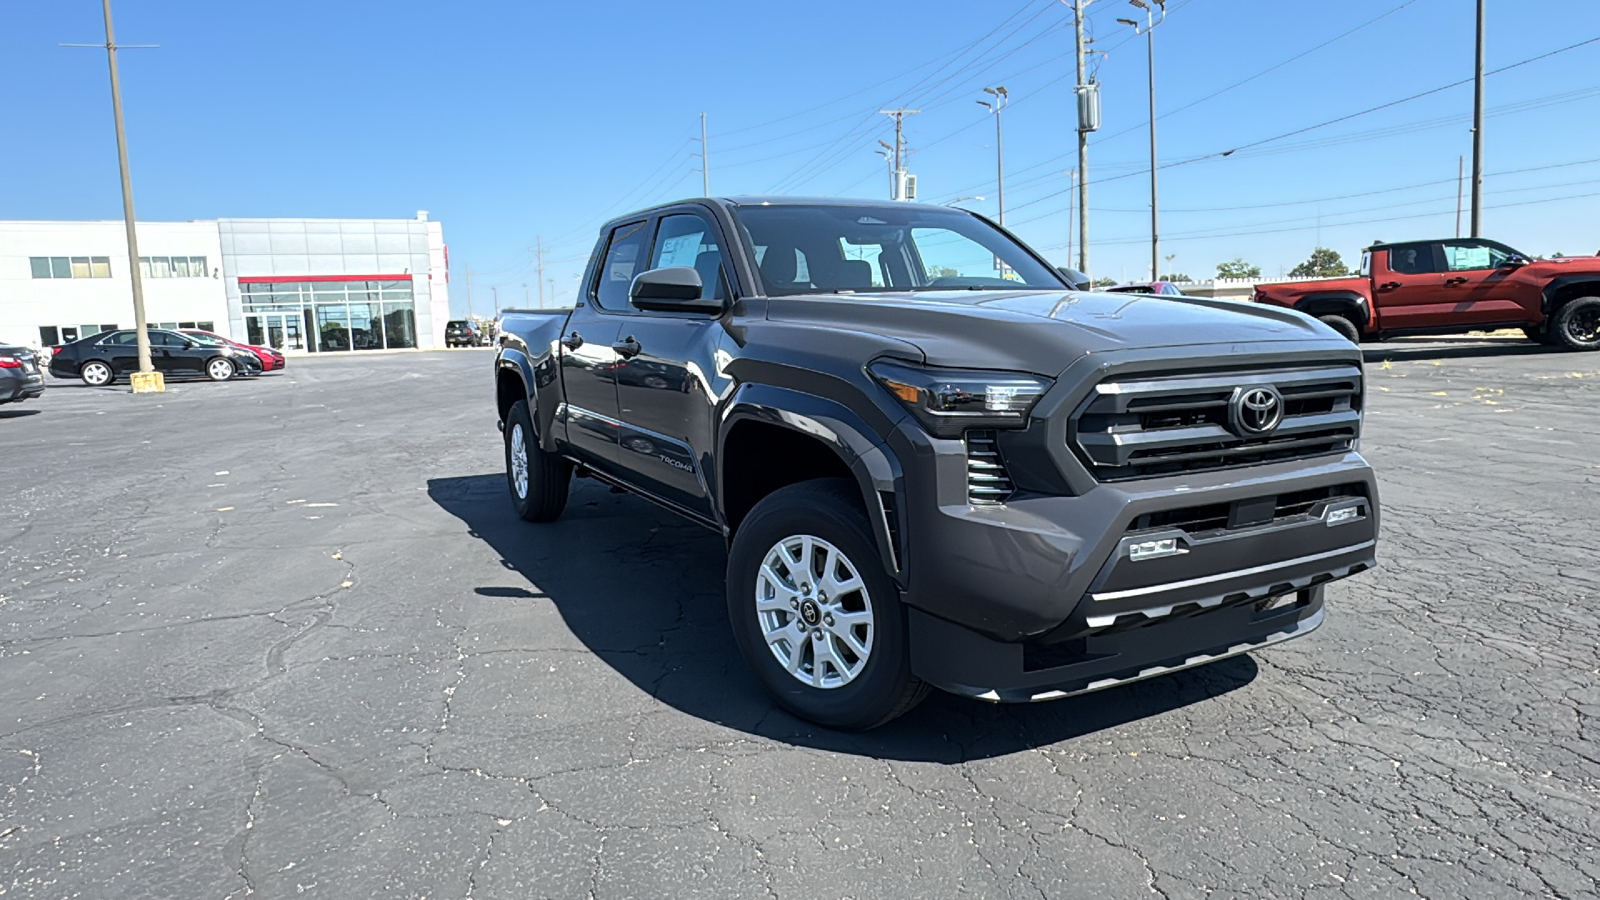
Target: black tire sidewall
column 819, row 509
column 1344, row 326
column 1558, row 327
column 518, row 415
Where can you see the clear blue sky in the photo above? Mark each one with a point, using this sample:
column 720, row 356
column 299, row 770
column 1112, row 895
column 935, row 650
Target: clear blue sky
column 509, row 120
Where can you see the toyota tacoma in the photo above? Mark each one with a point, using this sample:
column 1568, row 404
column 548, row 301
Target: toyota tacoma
column 935, row 463
column 1454, row 286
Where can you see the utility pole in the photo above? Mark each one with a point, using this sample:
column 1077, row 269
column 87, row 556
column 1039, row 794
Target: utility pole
column 899, row 148
column 147, row 379
column 705, row 160
column 1461, row 182
column 888, row 156
column 1085, row 93
column 995, row 105
column 526, row 299
column 538, row 255
column 1477, row 133
column 1149, row 33
column 495, row 291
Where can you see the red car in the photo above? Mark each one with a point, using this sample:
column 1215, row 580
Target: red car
column 271, row 360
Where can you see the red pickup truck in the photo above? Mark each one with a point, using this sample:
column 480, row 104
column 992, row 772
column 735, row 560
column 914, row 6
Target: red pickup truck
column 1454, row 286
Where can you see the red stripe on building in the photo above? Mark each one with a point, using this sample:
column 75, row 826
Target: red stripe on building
column 283, row 279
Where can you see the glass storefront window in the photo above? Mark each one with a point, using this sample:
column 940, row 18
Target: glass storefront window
column 399, row 325
column 338, row 315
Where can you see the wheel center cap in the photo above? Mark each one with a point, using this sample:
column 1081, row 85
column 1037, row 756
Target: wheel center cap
column 810, row 613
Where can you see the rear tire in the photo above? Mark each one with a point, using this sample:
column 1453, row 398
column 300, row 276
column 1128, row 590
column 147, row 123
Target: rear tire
column 842, row 661
column 96, row 374
column 1346, row 328
column 538, row 480
column 1576, row 325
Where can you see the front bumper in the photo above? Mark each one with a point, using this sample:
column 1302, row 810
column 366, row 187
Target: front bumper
column 1043, row 597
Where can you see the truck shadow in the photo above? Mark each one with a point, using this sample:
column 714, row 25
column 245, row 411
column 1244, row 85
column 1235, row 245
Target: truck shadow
column 643, row 591
column 1453, row 348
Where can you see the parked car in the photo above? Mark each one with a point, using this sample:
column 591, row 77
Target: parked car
column 463, row 333
column 930, row 475
column 271, row 360
column 102, row 358
column 20, row 378
column 1453, row 286
column 1158, row 288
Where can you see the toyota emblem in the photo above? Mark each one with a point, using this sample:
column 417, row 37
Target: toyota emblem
column 1255, row 411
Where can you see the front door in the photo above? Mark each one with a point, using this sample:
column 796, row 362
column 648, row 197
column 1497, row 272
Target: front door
column 664, row 403
column 1478, row 284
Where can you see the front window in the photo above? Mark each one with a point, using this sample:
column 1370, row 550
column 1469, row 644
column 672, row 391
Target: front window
column 831, row 249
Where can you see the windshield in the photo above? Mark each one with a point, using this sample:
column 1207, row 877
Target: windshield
column 833, row 249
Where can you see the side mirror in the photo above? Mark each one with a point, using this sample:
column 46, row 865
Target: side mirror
column 671, row 289
column 1517, row 259
column 1077, row 279
column 191, row 344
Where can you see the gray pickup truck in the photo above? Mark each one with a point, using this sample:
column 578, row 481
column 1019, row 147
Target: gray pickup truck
column 934, row 461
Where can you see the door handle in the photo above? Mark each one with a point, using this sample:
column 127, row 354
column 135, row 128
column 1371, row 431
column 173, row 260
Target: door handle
column 1455, row 281
column 627, row 348
column 1388, row 285
column 572, row 341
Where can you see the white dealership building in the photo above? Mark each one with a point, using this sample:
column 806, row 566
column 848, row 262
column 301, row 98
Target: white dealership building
column 301, row 285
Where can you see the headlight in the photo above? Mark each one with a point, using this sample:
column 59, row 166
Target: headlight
column 949, row 401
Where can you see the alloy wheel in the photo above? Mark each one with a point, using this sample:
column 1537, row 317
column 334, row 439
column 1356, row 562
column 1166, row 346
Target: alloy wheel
column 519, row 461
column 1585, row 326
column 220, row 369
column 814, row 611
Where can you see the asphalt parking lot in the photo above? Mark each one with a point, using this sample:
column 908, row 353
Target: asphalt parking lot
column 284, row 637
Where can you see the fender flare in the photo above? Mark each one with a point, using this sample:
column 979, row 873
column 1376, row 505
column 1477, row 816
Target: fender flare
column 869, row 458
column 1336, row 301
column 1547, row 299
column 531, row 376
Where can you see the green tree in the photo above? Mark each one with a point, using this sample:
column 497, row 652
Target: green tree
column 1238, row 268
column 1177, row 277
column 1323, row 263
column 1105, row 282
column 943, row 272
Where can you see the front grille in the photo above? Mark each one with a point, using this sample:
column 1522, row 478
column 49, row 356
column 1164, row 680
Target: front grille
column 1245, row 513
column 987, row 481
column 1141, row 427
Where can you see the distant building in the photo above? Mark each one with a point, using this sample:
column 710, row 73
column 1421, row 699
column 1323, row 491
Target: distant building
column 301, row 285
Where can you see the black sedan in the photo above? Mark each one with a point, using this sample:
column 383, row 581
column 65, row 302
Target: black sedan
column 20, row 378
column 101, row 358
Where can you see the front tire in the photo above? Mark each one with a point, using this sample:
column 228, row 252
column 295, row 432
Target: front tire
column 219, row 369
column 96, row 374
column 1576, row 326
column 814, row 612
column 538, row 480
column 1346, row 328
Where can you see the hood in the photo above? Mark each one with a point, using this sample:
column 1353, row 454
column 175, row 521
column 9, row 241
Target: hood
column 1566, row 265
column 1044, row 331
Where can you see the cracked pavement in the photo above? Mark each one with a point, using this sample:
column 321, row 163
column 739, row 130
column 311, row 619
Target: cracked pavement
column 284, row 637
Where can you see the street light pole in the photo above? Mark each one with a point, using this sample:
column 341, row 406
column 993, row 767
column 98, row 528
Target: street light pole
column 994, row 106
column 147, row 379
column 1149, row 33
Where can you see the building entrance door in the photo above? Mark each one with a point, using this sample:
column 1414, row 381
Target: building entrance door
column 280, row 331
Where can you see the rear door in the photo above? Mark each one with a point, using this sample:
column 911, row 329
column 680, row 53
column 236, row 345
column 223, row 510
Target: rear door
column 665, row 405
column 1407, row 285
column 588, row 413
